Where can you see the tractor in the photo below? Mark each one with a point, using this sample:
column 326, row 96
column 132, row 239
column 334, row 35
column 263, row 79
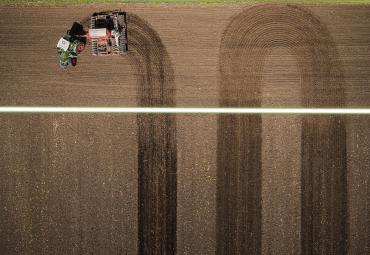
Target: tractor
column 107, row 35
column 70, row 45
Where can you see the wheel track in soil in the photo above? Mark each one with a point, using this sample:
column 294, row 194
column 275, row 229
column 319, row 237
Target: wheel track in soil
column 247, row 40
column 157, row 149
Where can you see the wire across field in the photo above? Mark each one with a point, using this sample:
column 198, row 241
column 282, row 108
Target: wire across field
column 186, row 110
column 186, row 1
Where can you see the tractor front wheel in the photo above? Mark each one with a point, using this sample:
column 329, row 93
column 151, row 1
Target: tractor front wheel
column 80, row 47
column 74, row 61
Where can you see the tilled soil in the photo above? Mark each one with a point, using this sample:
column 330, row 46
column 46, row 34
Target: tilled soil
column 188, row 184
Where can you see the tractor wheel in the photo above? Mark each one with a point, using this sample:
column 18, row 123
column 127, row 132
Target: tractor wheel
column 80, row 47
column 74, row 61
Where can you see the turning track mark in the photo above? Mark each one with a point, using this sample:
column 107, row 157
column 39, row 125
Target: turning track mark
column 247, row 40
column 157, row 151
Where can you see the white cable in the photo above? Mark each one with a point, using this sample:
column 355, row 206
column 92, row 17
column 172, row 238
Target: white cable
column 182, row 110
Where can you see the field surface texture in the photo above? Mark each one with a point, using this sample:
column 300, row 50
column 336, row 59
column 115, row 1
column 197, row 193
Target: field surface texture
column 188, row 184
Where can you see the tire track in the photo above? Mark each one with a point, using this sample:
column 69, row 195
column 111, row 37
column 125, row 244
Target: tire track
column 157, row 151
column 247, row 40
column 157, row 145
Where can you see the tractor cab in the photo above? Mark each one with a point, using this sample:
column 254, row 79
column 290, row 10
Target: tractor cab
column 70, row 45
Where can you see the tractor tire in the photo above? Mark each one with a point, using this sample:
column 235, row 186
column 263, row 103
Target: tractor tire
column 80, row 47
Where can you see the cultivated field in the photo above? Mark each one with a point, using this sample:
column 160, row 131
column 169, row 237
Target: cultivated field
column 191, row 184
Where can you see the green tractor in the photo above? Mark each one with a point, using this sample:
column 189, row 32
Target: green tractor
column 70, row 45
column 107, row 36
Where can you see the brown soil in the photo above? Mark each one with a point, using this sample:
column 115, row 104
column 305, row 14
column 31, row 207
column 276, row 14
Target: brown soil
column 157, row 145
column 164, row 184
column 247, row 40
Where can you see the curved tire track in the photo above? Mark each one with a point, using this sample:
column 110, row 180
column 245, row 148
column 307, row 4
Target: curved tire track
column 157, row 145
column 157, row 149
column 247, row 40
